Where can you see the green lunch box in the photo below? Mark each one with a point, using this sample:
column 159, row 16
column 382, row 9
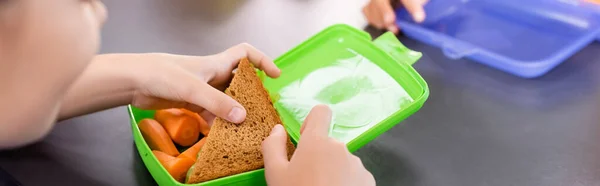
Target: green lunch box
column 370, row 86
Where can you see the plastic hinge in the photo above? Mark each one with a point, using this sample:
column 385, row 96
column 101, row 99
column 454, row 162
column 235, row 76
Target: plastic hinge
column 390, row 44
column 458, row 51
column 450, row 47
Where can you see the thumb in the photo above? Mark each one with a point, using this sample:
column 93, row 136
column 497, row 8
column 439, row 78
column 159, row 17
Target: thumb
column 274, row 150
column 205, row 96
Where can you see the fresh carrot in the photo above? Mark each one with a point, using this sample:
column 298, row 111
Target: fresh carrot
column 156, row 137
column 202, row 125
column 163, row 157
column 166, row 114
column 183, row 130
column 181, row 126
column 176, row 166
column 192, row 152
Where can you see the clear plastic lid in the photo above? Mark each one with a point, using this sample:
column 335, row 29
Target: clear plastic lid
column 369, row 85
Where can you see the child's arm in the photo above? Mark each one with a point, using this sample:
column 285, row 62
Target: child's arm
column 156, row 81
column 107, row 82
column 148, row 81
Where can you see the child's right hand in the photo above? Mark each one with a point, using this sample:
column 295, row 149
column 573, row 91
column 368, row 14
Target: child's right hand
column 380, row 13
column 197, row 82
column 158, row 81
column 318, row 161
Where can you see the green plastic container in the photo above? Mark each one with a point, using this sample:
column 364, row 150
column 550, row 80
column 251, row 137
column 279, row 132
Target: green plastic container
column 370, row 85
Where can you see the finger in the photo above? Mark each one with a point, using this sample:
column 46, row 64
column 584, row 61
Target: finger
column 361, row 171
column 274, row 150
column 393, row 28
column 194, row 108
column 386, row 11
column 205, row 114
column 415, row 8
column 157, row 103
column 318, row 121
column 208, row 117
column 369, row 179
column 357, row 161
column 373, row 16
column 302, row 128
column 256, row 57
column 203, row 95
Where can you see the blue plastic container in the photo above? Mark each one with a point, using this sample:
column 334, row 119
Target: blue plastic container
column 526, row 38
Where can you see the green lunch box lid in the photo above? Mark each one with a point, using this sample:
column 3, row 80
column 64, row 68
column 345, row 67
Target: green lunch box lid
column 370, row 85
column 330, row 50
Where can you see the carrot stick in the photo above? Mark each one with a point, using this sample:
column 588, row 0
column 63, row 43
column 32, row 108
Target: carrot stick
column 162, row 157
column 156, row 137
column 177, row 167
column 183, row 130
column 166, row 114
column 202, row 125
column 179, row 125
column 192, row 152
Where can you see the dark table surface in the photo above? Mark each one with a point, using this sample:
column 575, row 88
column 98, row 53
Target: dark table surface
column 480, row 126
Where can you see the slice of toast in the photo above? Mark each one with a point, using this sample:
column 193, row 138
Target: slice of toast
column 236, row 148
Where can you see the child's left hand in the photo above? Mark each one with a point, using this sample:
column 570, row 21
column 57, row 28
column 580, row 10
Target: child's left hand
column 196, row 83
column 158, row 81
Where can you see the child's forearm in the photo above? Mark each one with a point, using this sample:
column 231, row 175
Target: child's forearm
column 109, row 81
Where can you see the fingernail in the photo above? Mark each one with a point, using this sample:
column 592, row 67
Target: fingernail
column 277, row 129
column 419, row 16
column 236, row 115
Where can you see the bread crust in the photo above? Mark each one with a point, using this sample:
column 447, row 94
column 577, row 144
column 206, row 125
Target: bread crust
column 236, row 148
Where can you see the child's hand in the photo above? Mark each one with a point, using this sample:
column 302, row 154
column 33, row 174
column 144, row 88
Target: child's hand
column 196, row 83
column 158, row 81
column 380, row 13
column 318, row 161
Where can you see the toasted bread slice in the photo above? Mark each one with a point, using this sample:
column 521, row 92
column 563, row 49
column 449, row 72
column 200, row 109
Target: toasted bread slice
column 236, row 148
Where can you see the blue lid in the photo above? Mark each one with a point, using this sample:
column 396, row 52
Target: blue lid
column 524, row 37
